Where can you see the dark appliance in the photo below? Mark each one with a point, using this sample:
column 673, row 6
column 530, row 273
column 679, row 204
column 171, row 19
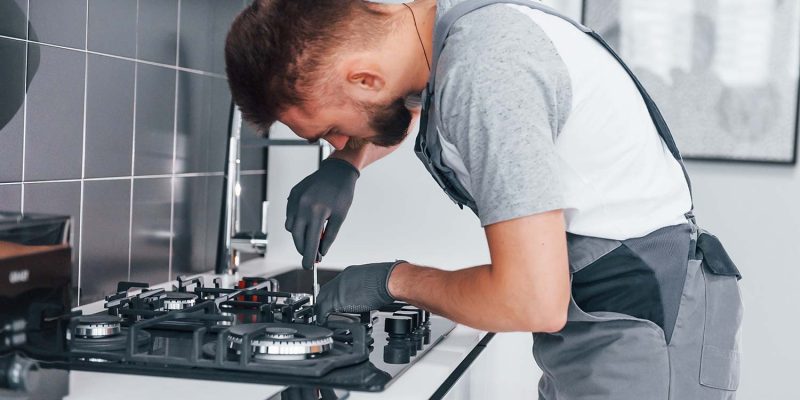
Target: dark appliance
column 35, row 270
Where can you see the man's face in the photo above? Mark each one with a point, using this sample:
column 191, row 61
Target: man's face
column 380, row 124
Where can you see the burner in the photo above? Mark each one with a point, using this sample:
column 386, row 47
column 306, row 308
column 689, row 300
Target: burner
column 101, row 333
column 97, row 326
column 179, row 300
column 274, row 341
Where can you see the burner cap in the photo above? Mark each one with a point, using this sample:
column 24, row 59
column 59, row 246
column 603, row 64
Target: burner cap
column 97, row 326
column 277, row 341
column 278, row 332
column 179, row 300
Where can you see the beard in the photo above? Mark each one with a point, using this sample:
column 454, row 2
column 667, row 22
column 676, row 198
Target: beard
column 390, row 122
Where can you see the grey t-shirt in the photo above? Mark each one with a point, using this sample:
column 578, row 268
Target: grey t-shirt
column 503, row 94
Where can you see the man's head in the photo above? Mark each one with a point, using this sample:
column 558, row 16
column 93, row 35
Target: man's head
column 332, row 69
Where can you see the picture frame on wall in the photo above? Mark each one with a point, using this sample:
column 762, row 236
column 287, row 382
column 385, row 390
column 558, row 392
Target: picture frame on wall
column 724, row 73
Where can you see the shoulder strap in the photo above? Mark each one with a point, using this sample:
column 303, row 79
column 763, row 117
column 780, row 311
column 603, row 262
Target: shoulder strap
column 446, row 22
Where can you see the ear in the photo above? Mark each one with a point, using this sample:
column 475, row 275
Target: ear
column 368, row 80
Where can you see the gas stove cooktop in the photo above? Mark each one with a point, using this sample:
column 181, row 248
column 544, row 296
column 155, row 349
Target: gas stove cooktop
column 251, row 333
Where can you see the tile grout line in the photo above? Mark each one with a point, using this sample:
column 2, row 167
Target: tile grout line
column 126, row 177
column 83, row 151
column 133, row 144
column 25, row 111
column 157, row 64
column 173, row 181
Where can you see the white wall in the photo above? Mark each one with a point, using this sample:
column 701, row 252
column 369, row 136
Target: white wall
column 399, row 212
column 754, row 210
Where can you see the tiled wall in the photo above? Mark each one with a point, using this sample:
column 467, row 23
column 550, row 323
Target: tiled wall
column 123, row 126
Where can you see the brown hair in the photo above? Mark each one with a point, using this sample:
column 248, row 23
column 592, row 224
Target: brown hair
column 278, row 51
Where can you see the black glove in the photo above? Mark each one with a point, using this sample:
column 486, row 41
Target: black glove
column 359, row 288
column 325, row 195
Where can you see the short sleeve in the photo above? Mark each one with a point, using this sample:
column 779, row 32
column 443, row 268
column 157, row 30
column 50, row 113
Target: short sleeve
column 504, row 94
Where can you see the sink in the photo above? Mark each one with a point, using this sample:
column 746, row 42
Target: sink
column 302, row 281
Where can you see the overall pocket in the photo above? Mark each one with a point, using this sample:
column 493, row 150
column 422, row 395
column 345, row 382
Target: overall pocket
column 719, row 362
column 603, row 355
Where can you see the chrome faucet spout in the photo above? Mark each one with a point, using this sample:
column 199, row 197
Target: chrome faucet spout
column 237, row 242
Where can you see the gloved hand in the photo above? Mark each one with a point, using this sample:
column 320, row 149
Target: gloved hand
column 359, row 288
column 325, row 195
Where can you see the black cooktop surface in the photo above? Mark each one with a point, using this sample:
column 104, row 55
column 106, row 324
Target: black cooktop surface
column 253, row 333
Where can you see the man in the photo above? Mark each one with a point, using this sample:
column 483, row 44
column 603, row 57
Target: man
column 530, row 121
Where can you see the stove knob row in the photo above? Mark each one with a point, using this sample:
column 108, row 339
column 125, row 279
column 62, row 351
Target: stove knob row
column 408, row 330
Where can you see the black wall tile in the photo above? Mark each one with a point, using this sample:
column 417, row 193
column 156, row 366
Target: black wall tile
column 61, row 22
column 12, row 99
column 14, row 18
column 155, row 120
column 253, row 194
column 112, row 27
column 106, row 218
column 150, row 230
column 213, row 211
column 190, row 225
column 61, row 198
column 198, row 208
column 253, row 156
column 115, row 218
column 203, row 111
column 10, row 197
column 54, row 137
column 158, row 31
column 254, row 189
column 204, row 26
column 109, row 117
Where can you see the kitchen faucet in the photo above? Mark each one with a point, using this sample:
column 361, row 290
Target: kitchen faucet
column 232, row 241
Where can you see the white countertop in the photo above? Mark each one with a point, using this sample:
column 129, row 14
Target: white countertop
column 420, row 381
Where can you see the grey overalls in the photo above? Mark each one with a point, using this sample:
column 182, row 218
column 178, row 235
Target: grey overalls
column 655, row 317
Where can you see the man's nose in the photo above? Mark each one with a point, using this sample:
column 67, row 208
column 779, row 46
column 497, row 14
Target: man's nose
column 338, row 141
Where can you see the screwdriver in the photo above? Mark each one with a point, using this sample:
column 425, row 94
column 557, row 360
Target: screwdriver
column 315, row 289
column 317, row 260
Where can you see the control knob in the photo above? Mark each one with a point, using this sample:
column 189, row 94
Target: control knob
column 397, row 326
column 415, row 320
